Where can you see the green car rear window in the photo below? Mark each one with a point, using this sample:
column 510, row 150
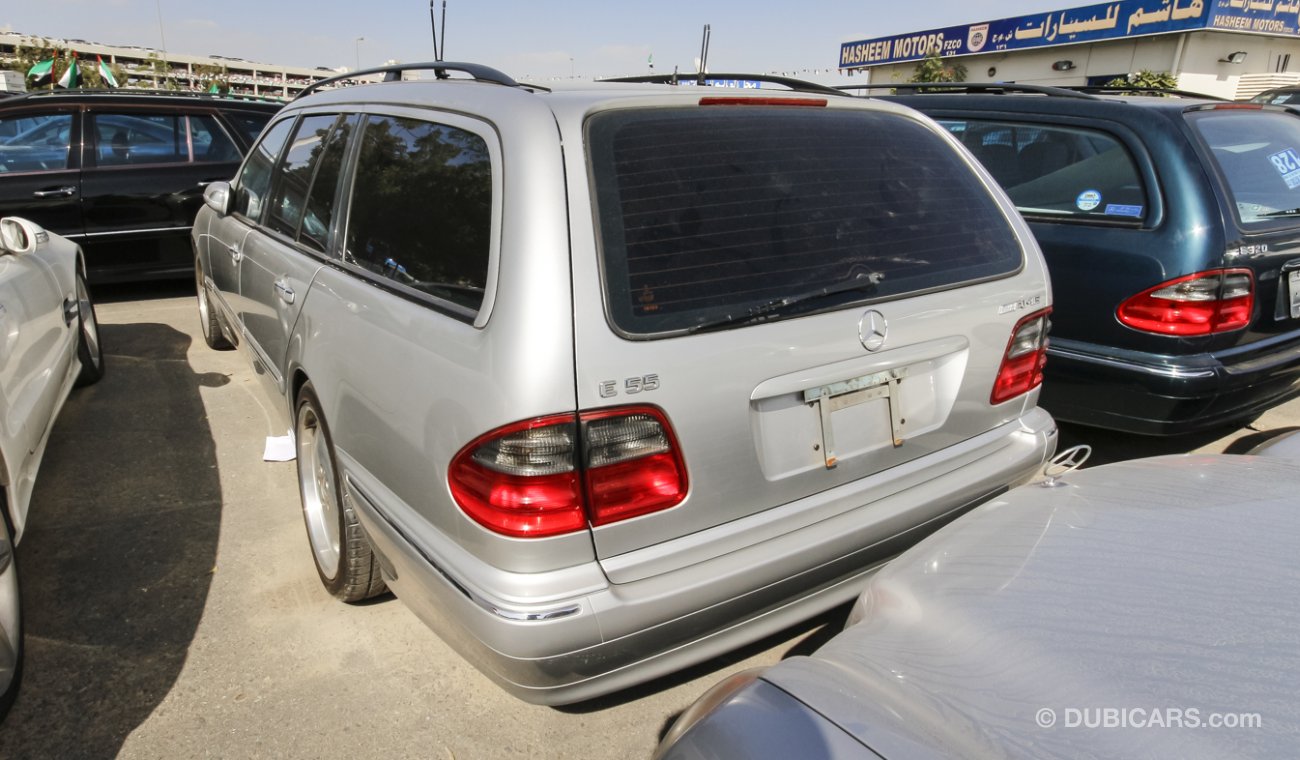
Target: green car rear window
column 711, row 212
column 1258, row 157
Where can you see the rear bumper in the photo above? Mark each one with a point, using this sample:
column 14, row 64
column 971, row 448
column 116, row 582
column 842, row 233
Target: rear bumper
column 606, row 637
column 1141, row 393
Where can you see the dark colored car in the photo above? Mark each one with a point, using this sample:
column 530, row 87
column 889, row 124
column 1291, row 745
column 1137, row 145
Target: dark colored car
column 122, row 173
column 1279, row 96
column 1171, row 229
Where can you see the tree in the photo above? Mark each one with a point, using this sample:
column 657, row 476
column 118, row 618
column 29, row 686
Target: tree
column 207, row 78
column 934, row 69
column 1160, row 80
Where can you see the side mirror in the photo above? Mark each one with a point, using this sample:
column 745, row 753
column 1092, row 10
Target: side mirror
column 217, row 197
column 18, row 235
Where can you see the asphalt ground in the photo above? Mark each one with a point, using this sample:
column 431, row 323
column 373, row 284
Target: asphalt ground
column 172, row 608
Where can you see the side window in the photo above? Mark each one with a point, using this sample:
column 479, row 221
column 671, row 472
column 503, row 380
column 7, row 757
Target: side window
column 211, row 143
column 1054, row 173
column 294, row 172
column 249, row 124
column 421, row 211
column 140, row 138
column 254, row 180
column 320, row 199
column 34, row 143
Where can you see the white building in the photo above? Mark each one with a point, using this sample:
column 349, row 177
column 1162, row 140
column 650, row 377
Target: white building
column 1228, row 48
column 147, row 67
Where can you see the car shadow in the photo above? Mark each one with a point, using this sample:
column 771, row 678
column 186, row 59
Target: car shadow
column 117, row 558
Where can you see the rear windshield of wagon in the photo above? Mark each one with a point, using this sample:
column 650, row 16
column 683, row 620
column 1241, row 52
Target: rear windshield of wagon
column 714, row 216
column 1258, row 156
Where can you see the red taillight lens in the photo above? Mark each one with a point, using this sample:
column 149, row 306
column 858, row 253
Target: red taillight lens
column 553, row 475
column 1198, row 304
column 1023, row 361
column 735, row 101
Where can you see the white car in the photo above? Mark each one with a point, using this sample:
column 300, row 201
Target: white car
column 49, row 343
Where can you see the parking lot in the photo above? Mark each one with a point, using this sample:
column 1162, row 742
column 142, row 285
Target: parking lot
column 172, row 609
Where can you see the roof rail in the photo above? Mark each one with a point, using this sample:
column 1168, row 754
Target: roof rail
column 146, row 92
column 440, row 68
column 799, row 85
column 1128, row 89
column 992, row 88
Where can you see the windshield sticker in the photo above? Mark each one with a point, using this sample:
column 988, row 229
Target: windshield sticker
column 1287, row 163
column 1119, row 209
column 1088, row 200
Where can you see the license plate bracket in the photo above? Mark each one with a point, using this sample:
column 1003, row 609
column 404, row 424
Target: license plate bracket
column 859, row 390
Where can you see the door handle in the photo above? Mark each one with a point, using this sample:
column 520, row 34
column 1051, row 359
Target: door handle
column 233, row 250
column 286, row 292
column 57, row 192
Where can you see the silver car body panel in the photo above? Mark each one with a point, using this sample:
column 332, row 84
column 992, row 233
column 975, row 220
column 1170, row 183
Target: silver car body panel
column 39, row 343
column 767, row 535
column 1165, row 590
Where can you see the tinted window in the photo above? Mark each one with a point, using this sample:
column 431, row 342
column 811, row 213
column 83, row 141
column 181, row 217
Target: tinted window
column 249, row 124
column 1258, row 155
column 211, row 143
column 254, row 181
column 33, row 143
column 421, row 212
column 294, row 172
column 140, row 138
column 320, row 199
column 707, row 213
column 1054, row 172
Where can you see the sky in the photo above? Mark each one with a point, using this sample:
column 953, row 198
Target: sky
column 528, row 40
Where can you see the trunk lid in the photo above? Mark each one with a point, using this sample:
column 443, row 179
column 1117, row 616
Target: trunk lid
column 811, row 297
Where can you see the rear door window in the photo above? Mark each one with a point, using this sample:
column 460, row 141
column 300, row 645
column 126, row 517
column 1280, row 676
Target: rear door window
column 709, row 215
column 293, row 177
column 1258, row 157
column 1057, row 173
column 140, row 138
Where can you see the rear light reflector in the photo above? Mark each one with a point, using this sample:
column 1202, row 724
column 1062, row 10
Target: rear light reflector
column 1023, row 361
column 1198, row 304
column 555, row 475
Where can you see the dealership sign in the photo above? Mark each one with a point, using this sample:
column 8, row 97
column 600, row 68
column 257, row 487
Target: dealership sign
column 1105, row 21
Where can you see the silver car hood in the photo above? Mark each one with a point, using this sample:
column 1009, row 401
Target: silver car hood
column 1131, row 600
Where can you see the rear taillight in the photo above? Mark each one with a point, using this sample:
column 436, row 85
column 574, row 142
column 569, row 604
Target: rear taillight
column 1022, row 362
column 555, row 475
column 1198, row 304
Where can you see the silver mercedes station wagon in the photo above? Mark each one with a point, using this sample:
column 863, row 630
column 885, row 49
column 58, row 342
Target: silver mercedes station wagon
column 604, row 381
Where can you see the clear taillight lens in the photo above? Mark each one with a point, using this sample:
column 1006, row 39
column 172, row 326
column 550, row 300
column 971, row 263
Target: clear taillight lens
column 556, row 475
column 1023, row 361
column 1198, row 304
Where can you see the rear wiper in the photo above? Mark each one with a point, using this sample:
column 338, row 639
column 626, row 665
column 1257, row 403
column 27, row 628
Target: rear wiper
column 865, row 282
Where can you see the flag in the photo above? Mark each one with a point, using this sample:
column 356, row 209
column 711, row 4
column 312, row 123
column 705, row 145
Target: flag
column 41, row 71
column 70, row 75
column 106, row 74
column 650, row 61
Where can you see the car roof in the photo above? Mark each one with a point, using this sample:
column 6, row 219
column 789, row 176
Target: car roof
column 1167, row 582
column 141, row 96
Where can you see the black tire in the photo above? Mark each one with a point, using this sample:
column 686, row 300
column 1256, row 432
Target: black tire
column 344, row 559
column 208, row 320
column 9, row 691
column 89, row 349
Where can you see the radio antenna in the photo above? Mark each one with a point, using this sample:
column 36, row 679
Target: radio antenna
column 704, row 55
column 438, row 51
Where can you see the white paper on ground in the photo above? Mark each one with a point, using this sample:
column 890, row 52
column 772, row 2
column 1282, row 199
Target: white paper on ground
column 279, row 448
